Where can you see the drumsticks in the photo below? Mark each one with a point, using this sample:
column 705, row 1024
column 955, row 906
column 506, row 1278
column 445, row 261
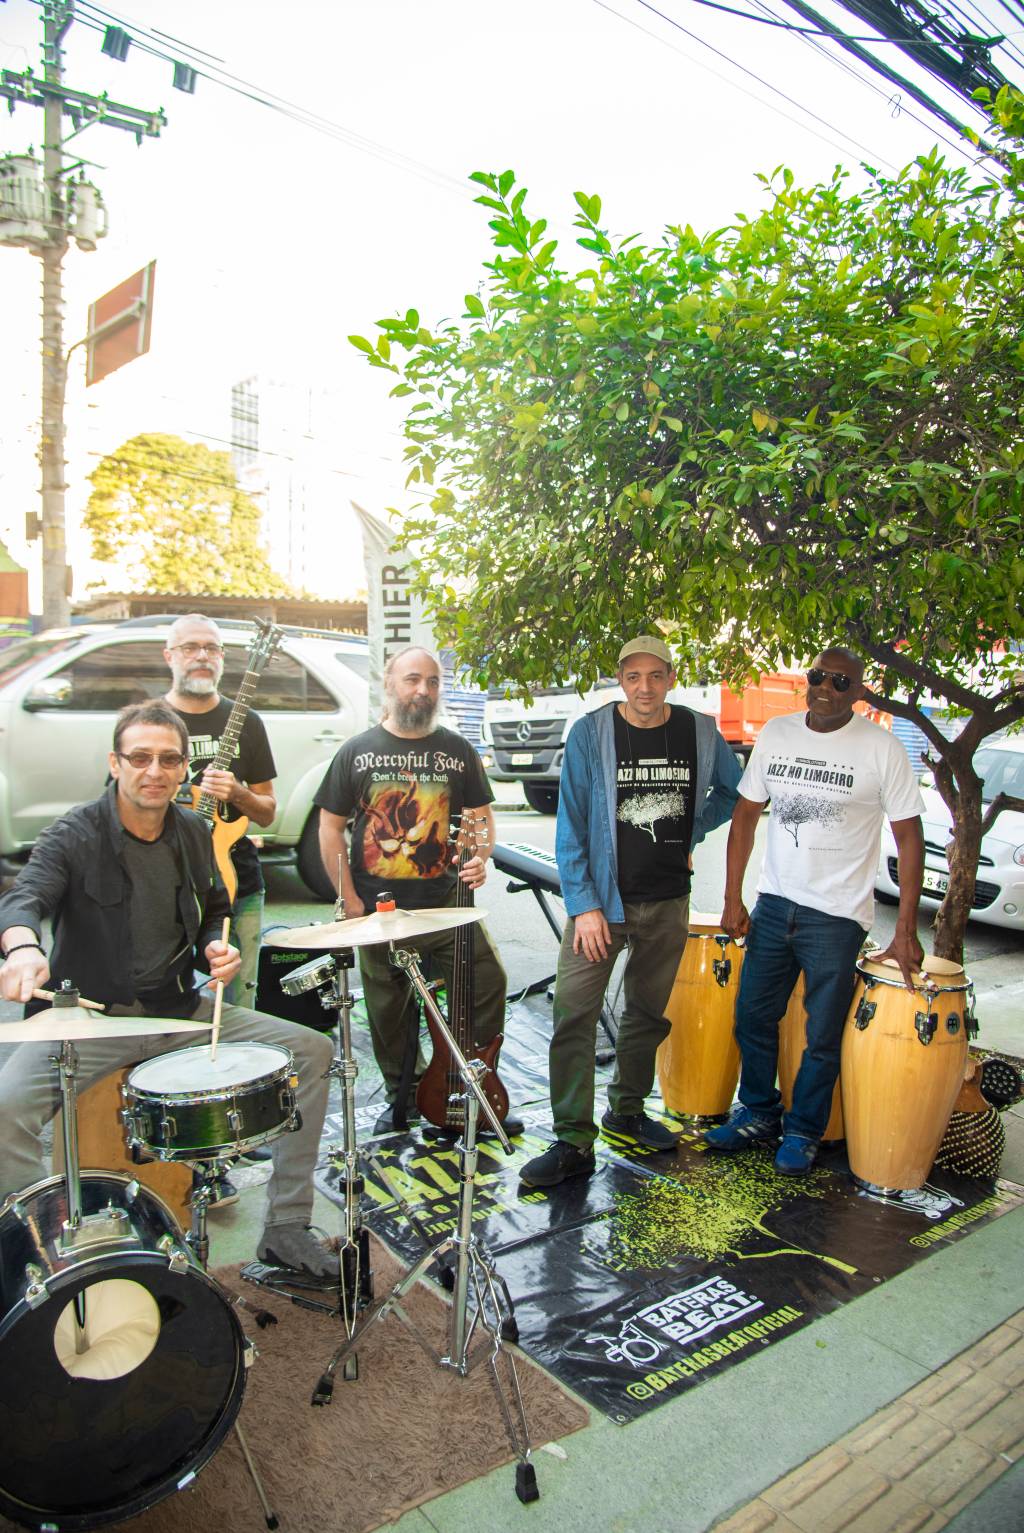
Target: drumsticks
column 50, row 995
column 218, row 999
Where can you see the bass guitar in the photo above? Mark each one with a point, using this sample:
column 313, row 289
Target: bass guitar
column 439, row 1093
column 226, row 832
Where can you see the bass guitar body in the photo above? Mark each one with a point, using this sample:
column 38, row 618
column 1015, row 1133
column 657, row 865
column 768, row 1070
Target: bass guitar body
column 438, row 1095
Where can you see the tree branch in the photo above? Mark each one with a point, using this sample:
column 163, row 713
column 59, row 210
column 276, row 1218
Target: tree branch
column 999, row 803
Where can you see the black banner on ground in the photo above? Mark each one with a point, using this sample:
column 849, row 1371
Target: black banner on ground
column 660, row 1270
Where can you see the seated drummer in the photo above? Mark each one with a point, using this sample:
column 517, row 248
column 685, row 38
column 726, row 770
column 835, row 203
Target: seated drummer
column 129, row 883
column 831, row 776
column 643, row 781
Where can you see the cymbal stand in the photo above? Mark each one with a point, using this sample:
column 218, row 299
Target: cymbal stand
column 475, row 1269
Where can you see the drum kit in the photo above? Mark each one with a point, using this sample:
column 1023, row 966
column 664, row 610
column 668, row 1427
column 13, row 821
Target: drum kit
column 904, row 1054
column 116, row 1343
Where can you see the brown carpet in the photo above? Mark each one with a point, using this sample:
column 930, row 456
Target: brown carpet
column 407, row 1430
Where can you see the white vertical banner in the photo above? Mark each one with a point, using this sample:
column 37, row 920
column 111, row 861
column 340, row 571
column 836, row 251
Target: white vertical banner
column 394, row 616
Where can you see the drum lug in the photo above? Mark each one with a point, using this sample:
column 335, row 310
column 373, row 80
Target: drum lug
column 168, row 1129
column 722, row 968
column 234, row 1118
column 248, row 1354
column 178, row 1260
column 926, row 1024
column 953, row 1022
column 36, row 1291
column 14, row 1207
column 865, row 1011
column 970, row 1020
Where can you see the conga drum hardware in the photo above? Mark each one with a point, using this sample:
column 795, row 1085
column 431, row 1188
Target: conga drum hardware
column 865, row 1011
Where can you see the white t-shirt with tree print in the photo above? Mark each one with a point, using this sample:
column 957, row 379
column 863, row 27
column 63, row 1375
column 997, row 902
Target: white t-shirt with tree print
column 829, row 792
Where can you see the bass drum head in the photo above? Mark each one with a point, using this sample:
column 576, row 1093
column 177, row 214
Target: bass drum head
column 81, row 1452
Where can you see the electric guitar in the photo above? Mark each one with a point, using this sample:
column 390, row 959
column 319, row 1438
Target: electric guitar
column 438, row 1095
column 227, row 832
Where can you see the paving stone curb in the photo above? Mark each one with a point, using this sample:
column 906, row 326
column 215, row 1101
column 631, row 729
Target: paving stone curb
column 915, row 1464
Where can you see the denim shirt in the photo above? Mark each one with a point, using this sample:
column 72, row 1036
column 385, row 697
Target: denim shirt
column 585, row 839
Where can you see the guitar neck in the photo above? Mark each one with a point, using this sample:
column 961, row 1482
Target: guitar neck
column 264, row 645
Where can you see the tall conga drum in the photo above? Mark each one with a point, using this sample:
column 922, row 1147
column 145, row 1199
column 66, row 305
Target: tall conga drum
column 699, row 1063
column 903, row 1064
column 792, row 1042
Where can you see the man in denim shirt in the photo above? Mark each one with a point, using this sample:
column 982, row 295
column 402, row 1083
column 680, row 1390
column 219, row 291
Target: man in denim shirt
column 643, row 781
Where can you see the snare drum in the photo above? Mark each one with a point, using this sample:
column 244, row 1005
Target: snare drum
column 699, row 1063
column 792, row 1043
column 903, row 1065
column 183, row 1106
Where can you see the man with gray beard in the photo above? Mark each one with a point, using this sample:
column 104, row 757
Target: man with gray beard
column 402, row 785
column 195, row 654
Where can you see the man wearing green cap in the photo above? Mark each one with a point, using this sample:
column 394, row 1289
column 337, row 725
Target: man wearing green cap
column 643, row 781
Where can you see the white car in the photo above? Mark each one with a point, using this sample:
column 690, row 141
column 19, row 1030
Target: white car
column 60, row 692
column 999, row 886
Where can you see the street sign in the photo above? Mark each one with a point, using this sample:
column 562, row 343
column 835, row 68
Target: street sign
column 119, row 325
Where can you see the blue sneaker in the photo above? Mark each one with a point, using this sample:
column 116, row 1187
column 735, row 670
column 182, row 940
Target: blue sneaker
column 795, row 1156
column 744, row 1129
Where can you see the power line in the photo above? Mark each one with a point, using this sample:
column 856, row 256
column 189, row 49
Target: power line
column 97, row 19
column 869, row 84
column 664, row 42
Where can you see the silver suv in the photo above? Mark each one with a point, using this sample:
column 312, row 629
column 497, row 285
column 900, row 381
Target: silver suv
column 61, row 690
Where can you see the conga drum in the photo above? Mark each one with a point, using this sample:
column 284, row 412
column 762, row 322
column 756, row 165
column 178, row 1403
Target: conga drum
column 792, row 1042
column 903, row 1064
column 699, row 1063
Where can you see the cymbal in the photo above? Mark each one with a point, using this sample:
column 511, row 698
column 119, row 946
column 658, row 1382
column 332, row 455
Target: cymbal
column 368, row 931
column 73, row 1024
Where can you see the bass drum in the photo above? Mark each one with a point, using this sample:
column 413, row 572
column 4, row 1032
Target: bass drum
column 98, row 1426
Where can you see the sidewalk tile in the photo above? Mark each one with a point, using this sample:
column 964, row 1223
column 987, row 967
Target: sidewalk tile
column 925, row 1396
column 879, row 1428
column 1005, row 1360
column 828, row 1495
column 968, row 1402
column 758, row 1517
column 1002, row 1430
column 912, row 1444
column 955, row 1475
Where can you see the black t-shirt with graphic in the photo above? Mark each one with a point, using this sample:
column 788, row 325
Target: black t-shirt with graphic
column 400, row 798
column 656, row 771
column 252, row 762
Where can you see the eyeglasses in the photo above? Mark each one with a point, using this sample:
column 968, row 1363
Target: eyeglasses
column 191, row 650
column 841, row 682
column 170, row 761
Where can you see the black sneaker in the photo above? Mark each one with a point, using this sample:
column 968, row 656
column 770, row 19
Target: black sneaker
column 385, row 1124
column 224, row 1194
column 640, row 1128
column 558, row 1164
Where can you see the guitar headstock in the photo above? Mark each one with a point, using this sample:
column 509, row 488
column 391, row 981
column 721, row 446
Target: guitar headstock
column 266, row 640
column 469, row 836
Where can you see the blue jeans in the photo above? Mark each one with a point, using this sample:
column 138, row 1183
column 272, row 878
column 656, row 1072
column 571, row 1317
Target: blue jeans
column 784, row 939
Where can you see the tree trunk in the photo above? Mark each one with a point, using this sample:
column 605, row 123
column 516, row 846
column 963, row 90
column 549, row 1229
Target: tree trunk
column 951, row 920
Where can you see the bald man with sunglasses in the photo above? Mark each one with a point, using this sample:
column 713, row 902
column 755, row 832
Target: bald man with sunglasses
column 831, row 777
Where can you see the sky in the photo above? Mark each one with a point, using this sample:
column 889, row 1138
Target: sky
column 330, row 189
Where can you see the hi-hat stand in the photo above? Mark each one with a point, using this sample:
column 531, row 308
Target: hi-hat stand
column 474, row 1270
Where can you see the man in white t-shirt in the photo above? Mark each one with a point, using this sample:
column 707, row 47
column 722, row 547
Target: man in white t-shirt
column 831, row 777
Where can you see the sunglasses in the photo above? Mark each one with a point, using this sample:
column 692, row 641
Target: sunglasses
column 170, row 761
column 840, row 682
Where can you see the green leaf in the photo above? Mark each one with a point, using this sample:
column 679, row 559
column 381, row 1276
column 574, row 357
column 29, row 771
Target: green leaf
column 474, row 306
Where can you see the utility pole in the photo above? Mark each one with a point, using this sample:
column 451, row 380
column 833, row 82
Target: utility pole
column 58, row 101
column 56, row 575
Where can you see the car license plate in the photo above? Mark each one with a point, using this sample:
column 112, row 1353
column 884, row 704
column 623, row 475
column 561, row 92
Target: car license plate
column 937, row 882
column 522, row 758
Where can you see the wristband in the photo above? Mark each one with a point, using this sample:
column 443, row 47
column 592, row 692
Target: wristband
column 19, row 945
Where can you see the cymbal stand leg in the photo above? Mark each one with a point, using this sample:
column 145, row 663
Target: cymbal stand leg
column 269, row 1515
